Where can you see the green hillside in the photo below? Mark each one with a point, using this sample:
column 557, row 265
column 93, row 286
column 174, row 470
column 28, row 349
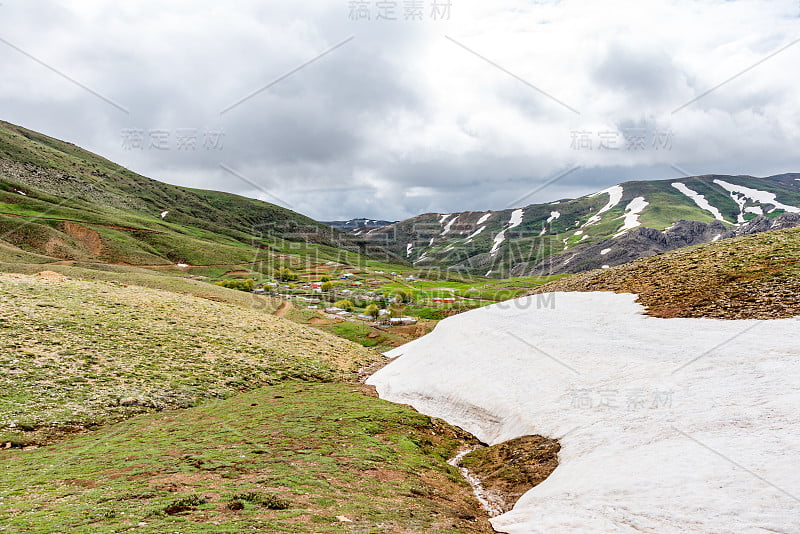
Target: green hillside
column 750, row 277
column 60, row 202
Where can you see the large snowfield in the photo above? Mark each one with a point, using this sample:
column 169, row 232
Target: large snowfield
column 666, row 425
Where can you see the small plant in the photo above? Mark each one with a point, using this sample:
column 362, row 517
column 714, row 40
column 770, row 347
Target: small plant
column 184, row 504
column 273, row 502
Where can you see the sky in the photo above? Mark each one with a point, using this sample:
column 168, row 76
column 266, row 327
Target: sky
column 392, row 108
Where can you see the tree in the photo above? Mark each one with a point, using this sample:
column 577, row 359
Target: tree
column 325, row 279
column 346, row 305
column 327, row 285
column 405, row 296
column 285, row 274
column 373, row 311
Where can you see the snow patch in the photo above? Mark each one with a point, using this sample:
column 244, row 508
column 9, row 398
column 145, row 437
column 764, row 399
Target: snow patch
column 614, row 197
column 754, row 209
column 653, row 458
column 553, row 216
column 483, row 219
column 475, row 233
column 699, row 199
column 605, row 251
column 762, row 197
column 164, row 214
column 409, row 249
column 516, row 218
column 449, row 225
column 498, row 240
column 632, row 212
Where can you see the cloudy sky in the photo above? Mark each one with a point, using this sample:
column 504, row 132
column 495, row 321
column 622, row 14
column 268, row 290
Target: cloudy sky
column 388, row 109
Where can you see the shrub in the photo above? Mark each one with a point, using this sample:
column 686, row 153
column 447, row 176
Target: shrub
column 273, row 502
column 242, row 285
column 344, row 304
column 327, row 285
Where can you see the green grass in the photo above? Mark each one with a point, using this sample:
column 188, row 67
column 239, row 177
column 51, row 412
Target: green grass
column 295, row 456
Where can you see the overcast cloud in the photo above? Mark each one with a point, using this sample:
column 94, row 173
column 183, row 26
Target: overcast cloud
column 405, row 117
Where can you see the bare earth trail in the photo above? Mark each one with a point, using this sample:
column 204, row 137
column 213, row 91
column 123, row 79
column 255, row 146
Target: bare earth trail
column 283, row 309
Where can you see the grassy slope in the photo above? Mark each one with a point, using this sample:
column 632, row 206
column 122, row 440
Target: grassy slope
column 755, row 276
column 64, row 184
column 269, row 407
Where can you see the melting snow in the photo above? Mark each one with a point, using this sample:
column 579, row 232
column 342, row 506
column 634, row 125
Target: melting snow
column 699, row 199
column 632, row 212
column 614, row 196
column 553, row 216
column 606, row 266
column 605, row 251
column 449, row 225
column 516, row 220
column 762, row 197
column 475, row 233
column 498, row 240
column 755, row 209
column 164, row 214
column 409, row 249
column 658, row 433
column 483, row 219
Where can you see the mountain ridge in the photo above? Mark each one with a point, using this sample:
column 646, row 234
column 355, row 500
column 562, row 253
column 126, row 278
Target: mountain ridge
column 503, row 242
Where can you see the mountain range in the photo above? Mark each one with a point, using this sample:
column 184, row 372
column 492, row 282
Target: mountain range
column 604, row 229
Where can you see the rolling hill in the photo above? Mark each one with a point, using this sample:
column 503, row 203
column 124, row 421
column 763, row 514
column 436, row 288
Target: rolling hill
column 749, row 277
column 608, row 228
column 60, row 202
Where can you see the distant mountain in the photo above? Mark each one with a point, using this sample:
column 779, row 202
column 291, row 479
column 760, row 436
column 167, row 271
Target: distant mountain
column 60, row 202
column 357, row 226
column 608, row 228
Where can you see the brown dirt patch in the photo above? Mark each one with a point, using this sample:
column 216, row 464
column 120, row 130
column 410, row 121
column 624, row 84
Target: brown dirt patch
column 86, row 236
column 283, row 308
column 50, row 276
column 512, row 468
